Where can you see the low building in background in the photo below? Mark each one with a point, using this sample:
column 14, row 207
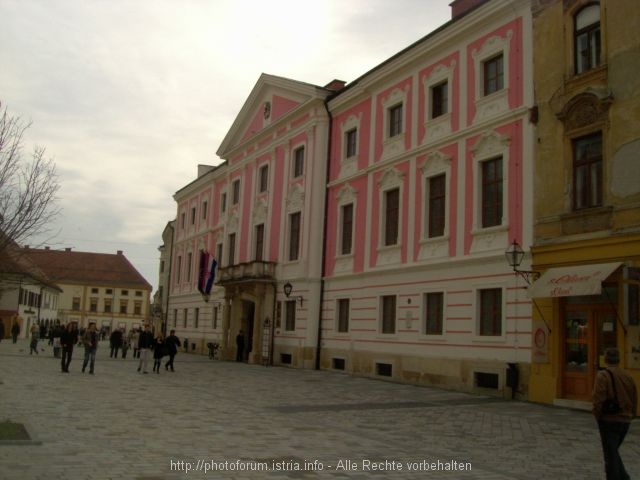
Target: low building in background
column 96, row 287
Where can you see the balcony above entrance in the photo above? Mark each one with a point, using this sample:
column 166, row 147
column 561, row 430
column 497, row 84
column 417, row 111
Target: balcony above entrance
column 246, row 272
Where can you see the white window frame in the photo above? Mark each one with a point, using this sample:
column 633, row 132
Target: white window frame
column 423, row 316
column 489, row 106
column 349, row 165
column 435, row 128
column 477, row 338
column 490, row 145
column 392, row 178
column 392, row 146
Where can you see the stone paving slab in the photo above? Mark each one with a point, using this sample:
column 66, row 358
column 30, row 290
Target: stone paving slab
column 120, row 424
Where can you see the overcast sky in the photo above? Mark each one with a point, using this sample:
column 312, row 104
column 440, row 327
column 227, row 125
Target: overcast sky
column 128, row 97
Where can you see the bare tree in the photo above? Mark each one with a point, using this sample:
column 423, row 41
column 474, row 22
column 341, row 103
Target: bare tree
column 28, row 188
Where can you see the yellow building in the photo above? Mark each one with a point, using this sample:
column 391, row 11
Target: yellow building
column 587, row 194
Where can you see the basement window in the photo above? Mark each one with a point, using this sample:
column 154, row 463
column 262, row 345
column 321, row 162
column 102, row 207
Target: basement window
column 337, row 363
column 285, row 358
column 384, row 369
column 486, row 380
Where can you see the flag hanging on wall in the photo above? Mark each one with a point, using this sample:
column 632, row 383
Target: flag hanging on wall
column 208, row 266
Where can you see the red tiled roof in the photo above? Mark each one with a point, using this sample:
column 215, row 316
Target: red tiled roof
column 14, row 263
column 67, row 266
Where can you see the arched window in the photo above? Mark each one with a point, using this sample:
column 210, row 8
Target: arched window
column 587, row 38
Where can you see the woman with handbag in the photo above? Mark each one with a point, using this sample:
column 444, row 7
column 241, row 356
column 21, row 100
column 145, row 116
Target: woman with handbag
column 615, row 400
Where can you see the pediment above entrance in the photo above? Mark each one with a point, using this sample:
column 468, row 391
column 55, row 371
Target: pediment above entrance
column 266, row 109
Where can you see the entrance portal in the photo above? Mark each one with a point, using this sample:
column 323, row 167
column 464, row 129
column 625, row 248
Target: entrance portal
column 589, row 329
column 247, row 325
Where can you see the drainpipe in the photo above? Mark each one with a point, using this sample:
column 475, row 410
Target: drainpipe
column 324, row 233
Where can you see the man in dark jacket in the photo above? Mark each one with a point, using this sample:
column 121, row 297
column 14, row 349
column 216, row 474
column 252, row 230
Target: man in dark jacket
column 68, row 339
column 116, row 342
column 15, row 330
column 145, row 344
column 614, row 383
column 90, row 342
column 172, row 343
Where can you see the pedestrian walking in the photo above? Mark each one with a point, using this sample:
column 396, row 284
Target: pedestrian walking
column 15, row 330
column 115, row 341
column 134, row 337
column 159, row 351
column 90, row 342
column 615, row 400
column 145, row 343
column 125, row 345
column 68, row 339
column 172, row 342
column 33, row 344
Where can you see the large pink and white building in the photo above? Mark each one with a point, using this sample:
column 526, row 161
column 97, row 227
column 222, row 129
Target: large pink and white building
column 384, row 207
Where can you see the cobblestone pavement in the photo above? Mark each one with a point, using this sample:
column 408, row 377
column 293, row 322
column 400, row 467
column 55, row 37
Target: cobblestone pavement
column 238, row 418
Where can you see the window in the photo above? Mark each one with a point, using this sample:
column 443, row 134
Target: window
column 137, row 308
column 493, row 74
column 264, row 178
column 124, row 293
column 343, row 315
column 196, row 317
column 492, row 192
column 490, row 314
column 182, row 220
column 395, row 120
column 391, row 209
column 94, row 290
column 109, row 291
column 93, row 305
column 205, row 204
column 232, row 249
column 161, row 266
column 235, row 192
column 351, row 142
column 107, row 306
column 347, row 229
column 259, row 242
column 178, row 268
column 185, row 315
column 587, row 171
column 138, row 293
column 75, row 305
column 290, row 315
column 439, row 99
column 298, row 162
column 189, row 261
column 294, row 236
column 437, row 198
column 123, row 306
column 219, row 251
column 193, row 215
column 389, row 314
column 587, row 38
column 434, row 313
column 214, row 321
column 223, row 202
column 175, row 317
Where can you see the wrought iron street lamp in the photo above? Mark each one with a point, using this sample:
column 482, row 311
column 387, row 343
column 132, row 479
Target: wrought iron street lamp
column 514, row 255
column 287, row 291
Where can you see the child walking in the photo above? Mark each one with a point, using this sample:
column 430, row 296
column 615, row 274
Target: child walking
column 159, row 351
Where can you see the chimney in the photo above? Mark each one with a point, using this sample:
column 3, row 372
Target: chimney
column 461, row 7
column 68, row 249
column 119, row 252
column 46, row 247
column 335, row 85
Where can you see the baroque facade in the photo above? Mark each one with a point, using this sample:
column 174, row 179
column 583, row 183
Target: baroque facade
column 363, row 227
column 587, row 200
